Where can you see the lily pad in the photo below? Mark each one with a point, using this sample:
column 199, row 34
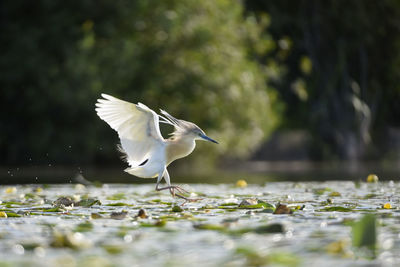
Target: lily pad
column 84, row 227
column 87, row 202
column 118, row 204
column 337, row 208
column 12, row 214
column 176, row 209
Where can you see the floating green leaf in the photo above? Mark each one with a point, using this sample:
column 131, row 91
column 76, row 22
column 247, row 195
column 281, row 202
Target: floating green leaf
column 336, row 208
column 364, row 232
column 321, row 191
column 255, row 258
column 208, row 226
column 117, row 196
column 118, row 204
column 84, row 227
column 12, row 214
column 52, row 210
column 334, row 194
column 159, row 223
column 176, row 209
column 87, row 202
column 228, row 204
column 113, row 249
column 261, row 205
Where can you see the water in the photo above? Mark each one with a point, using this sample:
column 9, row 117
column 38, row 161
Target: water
column 213, row 231
column 255, row 172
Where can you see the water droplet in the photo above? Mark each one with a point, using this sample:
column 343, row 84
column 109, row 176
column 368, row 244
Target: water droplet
column 40, row 252
column 128, row 238
column 289, row 234
column 277, row 238
column 229, row 244
column 387, row 244
column 49, row 164
column 18, row 249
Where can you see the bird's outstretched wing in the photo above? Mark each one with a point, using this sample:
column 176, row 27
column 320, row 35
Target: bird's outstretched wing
column 137, row 127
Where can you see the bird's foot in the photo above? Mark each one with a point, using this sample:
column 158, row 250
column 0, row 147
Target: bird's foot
column 181, row 191
column 187, row 199
column 172, row 189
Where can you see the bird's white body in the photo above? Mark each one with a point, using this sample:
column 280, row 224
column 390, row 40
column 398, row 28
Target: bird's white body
column 155, row 164
column 162, row 156
column 146, row 151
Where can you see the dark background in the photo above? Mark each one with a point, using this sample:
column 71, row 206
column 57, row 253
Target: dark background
column 308, row 81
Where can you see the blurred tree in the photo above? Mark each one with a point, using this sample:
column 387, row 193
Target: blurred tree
column 194, row 59
column 342, row 60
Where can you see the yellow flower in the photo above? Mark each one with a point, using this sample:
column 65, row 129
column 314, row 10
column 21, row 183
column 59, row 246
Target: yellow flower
column 11, row 190
column 372, row 178
column 387, row 206
column 241, row 183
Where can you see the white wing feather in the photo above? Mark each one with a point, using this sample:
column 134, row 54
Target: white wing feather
column 137, row 127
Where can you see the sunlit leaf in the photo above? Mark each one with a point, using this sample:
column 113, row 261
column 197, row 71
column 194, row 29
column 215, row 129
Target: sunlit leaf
column 364, row 232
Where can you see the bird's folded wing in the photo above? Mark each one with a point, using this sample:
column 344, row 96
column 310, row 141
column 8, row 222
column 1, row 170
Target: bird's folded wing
column 137, row 126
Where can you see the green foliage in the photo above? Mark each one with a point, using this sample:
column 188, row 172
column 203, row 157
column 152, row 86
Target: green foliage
column 341, row 60
column 364, row 233
column 335, row 66
column 194, row 59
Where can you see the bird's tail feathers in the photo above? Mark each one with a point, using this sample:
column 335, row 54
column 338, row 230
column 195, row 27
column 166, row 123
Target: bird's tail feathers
column 124, row 155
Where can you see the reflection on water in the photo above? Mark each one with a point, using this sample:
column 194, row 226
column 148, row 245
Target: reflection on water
column 252, row 172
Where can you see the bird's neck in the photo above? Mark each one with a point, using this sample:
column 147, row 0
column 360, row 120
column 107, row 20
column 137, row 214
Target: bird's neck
column 178, row 147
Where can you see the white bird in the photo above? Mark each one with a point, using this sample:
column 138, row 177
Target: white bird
column 144, row 149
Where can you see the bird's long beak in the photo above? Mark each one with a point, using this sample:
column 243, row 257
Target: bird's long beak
column 205, row 137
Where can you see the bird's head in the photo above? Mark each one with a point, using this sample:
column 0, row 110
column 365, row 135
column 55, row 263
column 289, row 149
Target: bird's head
column 185, row 129
column 191, row 130
column 199, row 134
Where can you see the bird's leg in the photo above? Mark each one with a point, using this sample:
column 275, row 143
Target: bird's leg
column 172, row 188
column 187, row 199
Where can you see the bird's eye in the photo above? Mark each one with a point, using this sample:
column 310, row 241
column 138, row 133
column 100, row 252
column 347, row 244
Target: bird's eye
column 199, row 134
